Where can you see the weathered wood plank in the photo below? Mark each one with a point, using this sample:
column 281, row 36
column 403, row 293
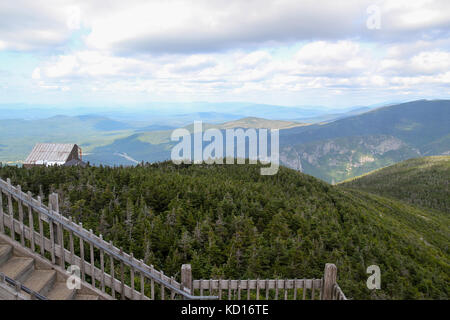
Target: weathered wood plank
column 41, row 229
column 186, row 277
column 10, row 209
column 2, row 225
column 91, row 249
column 31, row 221
column 122, row 277
column 295, row 289
column 71, row 246
column 111, row 258
column 163, row 293
column 201, row 287
column 132, row 278
column 329, row 280
column 172, row 293
column 239, row 289
column 257, row 289
column 82, row 265
column 152, row 284
column 52, row 242
column 142, row 280
column 21, row 224
column 62, row 259
column 102, row 268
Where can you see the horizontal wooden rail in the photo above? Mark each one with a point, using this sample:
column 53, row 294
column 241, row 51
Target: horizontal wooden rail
column 287, row 289
column 262, row 288
column 261, row 284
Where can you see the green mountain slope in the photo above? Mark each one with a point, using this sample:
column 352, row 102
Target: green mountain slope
column 231, row 222
column 424, row 182
column 355, row 145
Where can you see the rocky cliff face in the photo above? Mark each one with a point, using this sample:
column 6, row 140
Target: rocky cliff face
column 342, row 158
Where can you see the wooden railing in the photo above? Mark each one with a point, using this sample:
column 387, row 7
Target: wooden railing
column 63, row 242
column 269, row 289
column 262, row 289
column 60, row 240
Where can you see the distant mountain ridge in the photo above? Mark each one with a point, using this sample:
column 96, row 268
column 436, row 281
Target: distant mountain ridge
column 167, row 111
column 355, row 145
column 334, row 150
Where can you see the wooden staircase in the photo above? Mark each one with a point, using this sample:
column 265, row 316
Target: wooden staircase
column 38, row 275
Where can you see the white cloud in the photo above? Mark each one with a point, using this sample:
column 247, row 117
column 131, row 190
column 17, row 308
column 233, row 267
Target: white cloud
column 416, row 15
column 230, row 47
column 201, row 25
column 194, row 26
column 431, row 62
column 205, row 26
column 332, row 58
column 29, row 25
column 340, row 65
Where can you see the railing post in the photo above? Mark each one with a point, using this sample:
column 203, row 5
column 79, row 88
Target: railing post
column 329, row 280
column 20, row 208
column 132, row 275
column 2, row 223
column 57, row 229
column 91, row 248
column 41, row 228
column 102, row 267
column 141, row 264
column 10, row 210
column 82, row 261
column 113, row 283
column 53, row 198
column 122, row 275
column 31, row 220
column 186, row 277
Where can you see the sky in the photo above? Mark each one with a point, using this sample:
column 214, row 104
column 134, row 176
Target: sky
column 284, row 52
